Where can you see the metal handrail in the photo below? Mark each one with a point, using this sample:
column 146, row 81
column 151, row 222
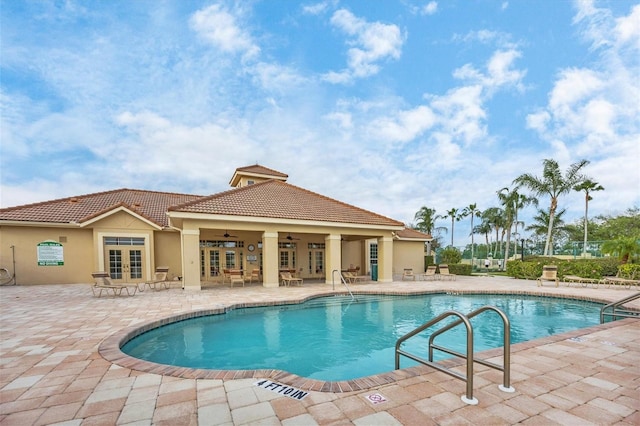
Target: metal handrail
column 468, row 379
column 333, row 281
column 616, row 312
column 506, row 346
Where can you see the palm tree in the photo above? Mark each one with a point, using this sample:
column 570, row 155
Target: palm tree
column 455, row 215
column 623, row 247
column 512, row 201
column 484, row 229
column 494, row 217
column 426, row 219
column 540, row 225
column 554, row 184
column 471, row 210
column 587, row 186
column 426, row 222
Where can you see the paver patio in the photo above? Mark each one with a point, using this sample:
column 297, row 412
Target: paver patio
column 51, row 371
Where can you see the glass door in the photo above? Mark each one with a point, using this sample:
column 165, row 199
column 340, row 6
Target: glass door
column 125, row 265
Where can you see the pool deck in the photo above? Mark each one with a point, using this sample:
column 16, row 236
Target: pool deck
column 52, row 368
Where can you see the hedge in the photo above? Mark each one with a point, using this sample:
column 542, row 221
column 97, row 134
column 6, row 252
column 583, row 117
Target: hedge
column 531, row 268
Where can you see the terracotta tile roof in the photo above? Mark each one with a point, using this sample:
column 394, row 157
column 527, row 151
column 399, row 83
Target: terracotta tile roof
column 408, row 233
column 281, row 200
column 258, row 169
column 149, row 204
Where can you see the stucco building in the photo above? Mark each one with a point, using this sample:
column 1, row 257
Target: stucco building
column 262, row 222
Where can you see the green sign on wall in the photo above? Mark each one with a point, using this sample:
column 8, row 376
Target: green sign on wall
column 50, row 253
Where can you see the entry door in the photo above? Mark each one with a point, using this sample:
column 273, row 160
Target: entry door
column 125, row 264
column 288, row 257
column 215, row 260
column 209, row 263
column 316, row 262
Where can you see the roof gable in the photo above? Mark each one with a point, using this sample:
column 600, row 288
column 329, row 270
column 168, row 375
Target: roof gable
column 256, row 171
column 149, row 205
column 281, row 200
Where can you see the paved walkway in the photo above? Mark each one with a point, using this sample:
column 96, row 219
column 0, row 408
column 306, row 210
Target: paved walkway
column 52, row 372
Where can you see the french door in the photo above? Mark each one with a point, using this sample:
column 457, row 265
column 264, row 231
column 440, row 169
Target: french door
column 316, row 262
column 214, row 260
column 125, row 264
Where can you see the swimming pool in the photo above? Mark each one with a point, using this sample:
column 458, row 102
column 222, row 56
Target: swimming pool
column 335, row 338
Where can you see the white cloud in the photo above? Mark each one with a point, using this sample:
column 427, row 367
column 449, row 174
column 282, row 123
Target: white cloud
column 500, row 71
column 627, row 28
column 405, row 126
column 275, row 77
column 573, row 86
column 220, row 27
column 499, row 39
column 538, row 121
column 317, row 8
column 373, row 42
column 168, row 148
column 430, row 8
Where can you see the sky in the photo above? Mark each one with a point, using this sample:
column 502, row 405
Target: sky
column 386, row 105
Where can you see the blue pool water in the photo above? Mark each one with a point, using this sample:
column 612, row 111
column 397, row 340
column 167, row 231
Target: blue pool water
column 335, row 338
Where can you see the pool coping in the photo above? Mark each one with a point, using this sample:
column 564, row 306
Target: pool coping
column 110, row 347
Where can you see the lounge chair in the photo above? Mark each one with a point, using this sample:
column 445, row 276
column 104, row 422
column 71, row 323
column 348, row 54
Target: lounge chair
column 287, row 279
column 408, row 275
column 235, row 277
column 353, row 278
column 568, row 279
column 621, row 281
column 549, row 273
column 445, row 274
column 159, row 279
column 430, row 274
column 103, row 283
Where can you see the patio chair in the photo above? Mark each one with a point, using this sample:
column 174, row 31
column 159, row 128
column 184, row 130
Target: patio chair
column 235, row 277
column 549, row 273
column 445, row 274
column 255, row 275
column 159, row 279
column 103, row 283
column 408, row 275
column 6, row 277
column 287, row 279
column 430, row 274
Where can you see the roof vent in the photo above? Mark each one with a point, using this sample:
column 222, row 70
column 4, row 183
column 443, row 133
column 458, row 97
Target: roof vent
column 73, row 200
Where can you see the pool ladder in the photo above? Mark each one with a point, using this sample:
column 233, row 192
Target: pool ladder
column 618, row 311
column 333, row 281
column 468, row 379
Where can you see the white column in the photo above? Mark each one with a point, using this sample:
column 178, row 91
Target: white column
column 191, row 259
column 333, row 255
column 385, row 259
column 270, row 261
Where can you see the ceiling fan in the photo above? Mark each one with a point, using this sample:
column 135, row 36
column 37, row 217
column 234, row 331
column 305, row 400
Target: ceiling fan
column 227, row 235
column 290, row 238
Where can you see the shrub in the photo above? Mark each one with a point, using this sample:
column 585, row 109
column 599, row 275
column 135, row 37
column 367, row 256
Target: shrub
column 460, row 269
column 630, row 270
column 586, row 268
column 450, row 256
